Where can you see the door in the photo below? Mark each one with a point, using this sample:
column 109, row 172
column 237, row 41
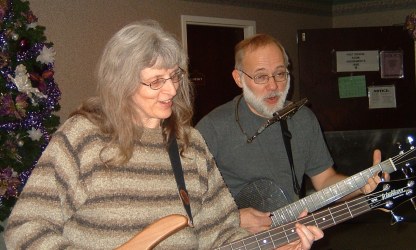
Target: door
column 210, row 45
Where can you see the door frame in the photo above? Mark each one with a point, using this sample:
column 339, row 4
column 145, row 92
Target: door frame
column 249, row 26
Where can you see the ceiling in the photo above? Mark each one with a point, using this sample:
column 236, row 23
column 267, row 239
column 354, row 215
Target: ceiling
column 320, row 7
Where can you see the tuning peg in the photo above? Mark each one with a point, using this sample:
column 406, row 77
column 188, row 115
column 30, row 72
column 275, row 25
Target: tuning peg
column 399, row 146
column 413, row 200
column 408, row 171
column 406, row 145
column 410, row 140
column 395, row 218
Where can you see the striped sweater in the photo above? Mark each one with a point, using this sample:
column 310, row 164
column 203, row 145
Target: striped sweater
column 73, row 201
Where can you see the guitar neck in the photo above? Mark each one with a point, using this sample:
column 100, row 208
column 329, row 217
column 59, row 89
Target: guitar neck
column 285, row 234
column 329, row 194
column 386, row 196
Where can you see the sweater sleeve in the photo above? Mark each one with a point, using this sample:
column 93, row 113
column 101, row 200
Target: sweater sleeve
column 219, row 214
column 51, row 195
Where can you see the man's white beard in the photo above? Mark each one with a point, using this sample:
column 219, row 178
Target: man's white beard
column 257, row 103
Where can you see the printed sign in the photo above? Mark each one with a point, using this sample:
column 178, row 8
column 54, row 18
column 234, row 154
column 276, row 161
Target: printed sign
column 382, row 96
column 353, row 61
column 391, row 64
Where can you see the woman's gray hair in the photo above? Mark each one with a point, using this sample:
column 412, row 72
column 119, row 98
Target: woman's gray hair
column 135, row 47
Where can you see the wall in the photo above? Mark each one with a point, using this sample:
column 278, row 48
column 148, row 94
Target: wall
column 79, row 30
column 378, row 18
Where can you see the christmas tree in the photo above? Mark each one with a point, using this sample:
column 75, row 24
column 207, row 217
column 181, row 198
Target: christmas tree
column 28, row 98
column 410, row 25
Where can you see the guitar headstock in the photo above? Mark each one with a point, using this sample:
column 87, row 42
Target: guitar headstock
column 389, row 195
column 405, row 159
column 407, row 151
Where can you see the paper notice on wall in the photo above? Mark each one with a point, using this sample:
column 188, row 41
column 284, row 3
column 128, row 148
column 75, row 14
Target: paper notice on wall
column 353, row 61
column 382, row 96
column 391, row 64
column 351, row 86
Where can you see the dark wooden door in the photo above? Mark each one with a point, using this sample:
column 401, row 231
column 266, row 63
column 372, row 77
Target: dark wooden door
column 211, row 56
column 319, row 77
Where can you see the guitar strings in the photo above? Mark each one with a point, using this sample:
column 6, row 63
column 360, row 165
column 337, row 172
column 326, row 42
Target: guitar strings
column 396, row 159
column 284, row 217
column 285, row 214
column 289, row 233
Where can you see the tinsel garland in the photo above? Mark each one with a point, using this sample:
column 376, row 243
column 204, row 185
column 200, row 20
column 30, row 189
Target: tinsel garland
column 27, row 98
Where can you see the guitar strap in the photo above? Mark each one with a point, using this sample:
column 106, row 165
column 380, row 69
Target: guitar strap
column 287, row 136
column 180, row 181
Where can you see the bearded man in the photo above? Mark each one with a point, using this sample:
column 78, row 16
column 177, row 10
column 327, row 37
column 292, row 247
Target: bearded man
column 247, row 148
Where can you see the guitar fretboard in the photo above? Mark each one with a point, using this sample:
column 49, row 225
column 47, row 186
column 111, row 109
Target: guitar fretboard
column 285, row 234
column 328, row 195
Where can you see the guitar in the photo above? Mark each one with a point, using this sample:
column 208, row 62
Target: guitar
column 386, row 196
column 265, row 195
column 155, row 233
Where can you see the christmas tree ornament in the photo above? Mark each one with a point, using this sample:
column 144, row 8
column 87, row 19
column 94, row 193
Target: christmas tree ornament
column 14, row 36
column 23, row 44
column 8, row 32
column 30, row 17
column 3, row 9
column 35, row 134
column 4, row 59
column 47, row 74
column 23, row 83
column 8, row 182
column 410, row 25
column 47, row 55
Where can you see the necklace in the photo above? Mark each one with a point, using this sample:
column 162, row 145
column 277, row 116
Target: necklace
column 284, row 113
column 261, row 129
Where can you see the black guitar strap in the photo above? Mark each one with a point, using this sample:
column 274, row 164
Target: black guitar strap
column 180, row 181
column 287, row 136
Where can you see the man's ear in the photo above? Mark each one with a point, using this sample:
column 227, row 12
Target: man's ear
column 237, row 79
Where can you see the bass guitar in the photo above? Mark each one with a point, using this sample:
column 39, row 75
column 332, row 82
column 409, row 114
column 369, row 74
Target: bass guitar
column 266, row 195
column 386, row 197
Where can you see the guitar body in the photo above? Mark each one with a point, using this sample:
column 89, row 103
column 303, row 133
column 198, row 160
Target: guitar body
column 156, row 232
